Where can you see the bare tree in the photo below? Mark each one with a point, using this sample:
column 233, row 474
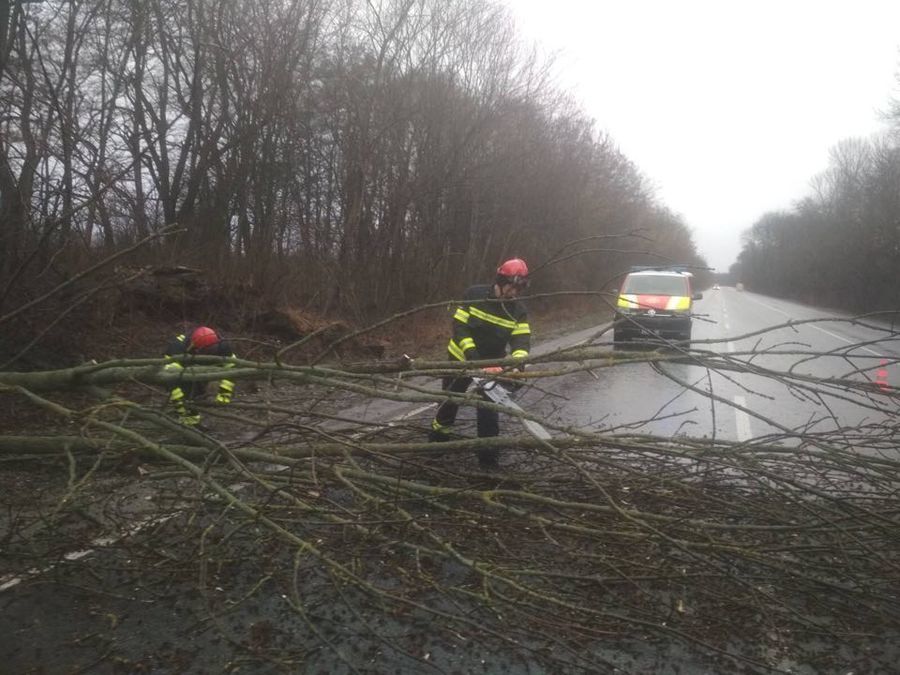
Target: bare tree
column 354, row 157
column 838, row 247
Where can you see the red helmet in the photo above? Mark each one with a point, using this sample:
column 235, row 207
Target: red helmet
column 203, row 338
column 513, row 271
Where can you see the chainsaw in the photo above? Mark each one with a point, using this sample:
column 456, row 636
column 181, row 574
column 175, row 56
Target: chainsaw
column 496, row 392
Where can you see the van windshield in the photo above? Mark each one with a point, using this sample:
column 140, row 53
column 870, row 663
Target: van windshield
column 655, row 284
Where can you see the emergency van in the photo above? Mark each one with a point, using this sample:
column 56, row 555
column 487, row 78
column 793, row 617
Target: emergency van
column 655, row 302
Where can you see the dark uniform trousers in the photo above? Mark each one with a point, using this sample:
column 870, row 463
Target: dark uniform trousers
column 488, row 421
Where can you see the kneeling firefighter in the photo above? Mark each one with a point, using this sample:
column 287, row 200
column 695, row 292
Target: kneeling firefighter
column 489, row 320
column 201, row 341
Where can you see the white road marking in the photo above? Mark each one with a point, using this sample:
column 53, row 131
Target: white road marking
column 843, row 339
column 814, row 326
column 10, row 580
column 742, row 420
column 392, row 421
column 413, row 413
column 731, row 347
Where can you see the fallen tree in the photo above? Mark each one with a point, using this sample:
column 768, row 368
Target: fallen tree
column 306, row 536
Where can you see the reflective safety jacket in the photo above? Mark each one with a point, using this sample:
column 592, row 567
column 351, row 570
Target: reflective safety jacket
column 179, row 357
column 484, row 325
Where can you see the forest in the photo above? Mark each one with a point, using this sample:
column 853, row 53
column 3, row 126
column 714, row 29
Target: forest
column 838, row 247
column 342, row 157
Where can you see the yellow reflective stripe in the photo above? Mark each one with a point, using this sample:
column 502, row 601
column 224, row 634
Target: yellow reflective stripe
column 227, row 385
column 677, row 302
column 522, row 329
column 173, row 367
column 519, row 354
column 231, row 361
column 491, row 318
column 437, row 426
column 181, row 338
column 629, row 301
column 176, row 394
column 461, row 315
column 455, row 351
column 466, row 344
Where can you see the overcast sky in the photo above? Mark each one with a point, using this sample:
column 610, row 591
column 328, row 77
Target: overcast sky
column 729, row 107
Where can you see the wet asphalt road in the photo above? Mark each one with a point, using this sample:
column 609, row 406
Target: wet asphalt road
column 749, row 406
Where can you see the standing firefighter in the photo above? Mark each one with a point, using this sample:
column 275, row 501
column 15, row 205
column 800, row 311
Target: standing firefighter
column 203, row 341
column 489, row 319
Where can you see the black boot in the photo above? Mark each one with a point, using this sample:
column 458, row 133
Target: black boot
column 435, row 436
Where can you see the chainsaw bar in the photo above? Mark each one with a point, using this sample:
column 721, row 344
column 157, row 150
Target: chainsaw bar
column 500, row 395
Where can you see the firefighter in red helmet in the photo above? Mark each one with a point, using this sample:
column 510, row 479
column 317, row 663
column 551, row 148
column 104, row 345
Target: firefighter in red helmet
column 200, row 341
column 489, row 320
